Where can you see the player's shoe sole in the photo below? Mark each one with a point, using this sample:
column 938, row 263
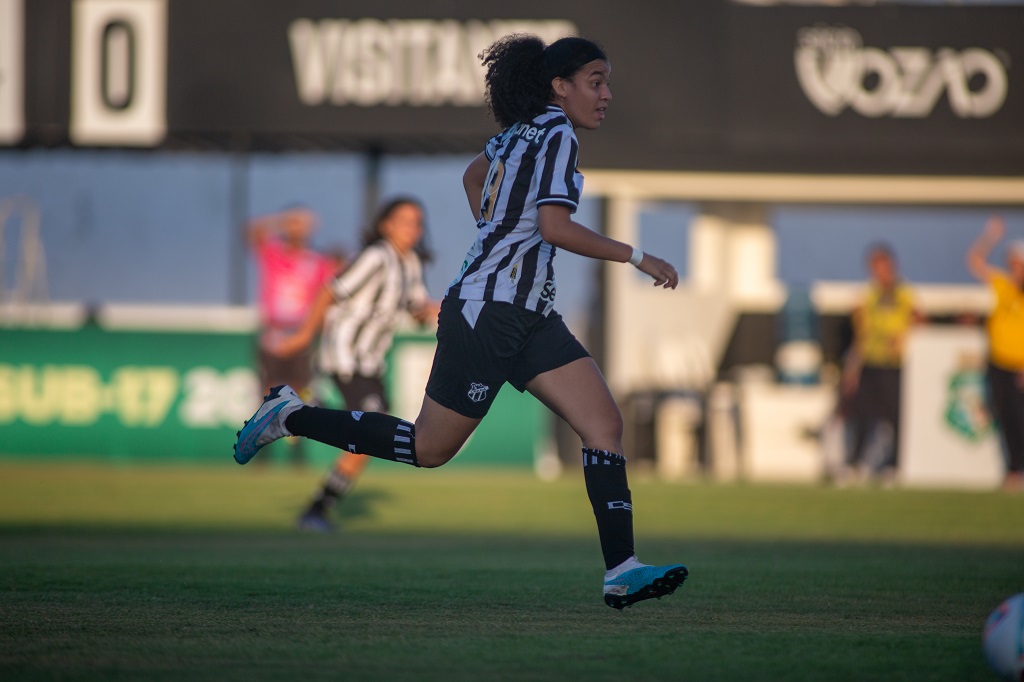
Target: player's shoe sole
column 652, row 588
column 267, row 425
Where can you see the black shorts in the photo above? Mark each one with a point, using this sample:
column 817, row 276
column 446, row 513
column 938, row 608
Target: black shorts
column 507, row 343
column 296, row 371
column 362, row 393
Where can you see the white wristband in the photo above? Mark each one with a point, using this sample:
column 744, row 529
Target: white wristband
column 637, row 256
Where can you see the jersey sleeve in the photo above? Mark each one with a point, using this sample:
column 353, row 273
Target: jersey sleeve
column 558, row 184
column 417, row 296
column 326, row 271
column 492, row 146
column 357, row 275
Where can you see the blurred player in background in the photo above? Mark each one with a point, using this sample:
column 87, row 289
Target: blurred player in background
column 873, row 368
column 1006, row 343
column 497, row 322
column 356, row 314
column 291, row 274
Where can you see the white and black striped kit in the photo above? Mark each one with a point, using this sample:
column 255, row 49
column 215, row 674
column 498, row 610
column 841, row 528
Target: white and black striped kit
column 370, row 295
column 532, row 164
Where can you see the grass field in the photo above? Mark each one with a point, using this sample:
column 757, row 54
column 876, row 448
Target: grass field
column 196, row 574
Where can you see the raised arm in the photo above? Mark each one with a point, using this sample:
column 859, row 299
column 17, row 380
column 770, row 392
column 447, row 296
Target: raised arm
column 977, row 255
column 259, row 229
column 558, row 229
column 473, row 181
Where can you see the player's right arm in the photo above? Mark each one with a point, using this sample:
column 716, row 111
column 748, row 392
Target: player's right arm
column 853, row 361
column 259, row 229
column 977, row 255
column 256, row 233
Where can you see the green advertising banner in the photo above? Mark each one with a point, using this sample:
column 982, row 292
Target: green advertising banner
column 163, row 395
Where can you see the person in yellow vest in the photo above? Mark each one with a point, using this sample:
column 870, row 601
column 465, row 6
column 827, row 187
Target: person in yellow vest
column 873, row 368
column 1005, row 342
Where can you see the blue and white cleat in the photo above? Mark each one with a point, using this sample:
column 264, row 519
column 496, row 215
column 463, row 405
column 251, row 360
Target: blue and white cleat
column 642, row 582
column 267, row 425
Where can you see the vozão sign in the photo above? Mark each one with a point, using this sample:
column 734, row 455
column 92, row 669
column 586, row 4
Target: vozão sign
column 836, row 70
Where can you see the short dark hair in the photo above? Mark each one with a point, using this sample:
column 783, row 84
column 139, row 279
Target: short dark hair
column 520, row 69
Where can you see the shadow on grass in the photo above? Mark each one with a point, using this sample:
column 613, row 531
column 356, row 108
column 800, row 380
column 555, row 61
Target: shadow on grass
column 94, row 602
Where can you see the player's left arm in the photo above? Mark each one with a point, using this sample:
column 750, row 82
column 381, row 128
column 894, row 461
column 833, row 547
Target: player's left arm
column 473, row 182
column 558, row 229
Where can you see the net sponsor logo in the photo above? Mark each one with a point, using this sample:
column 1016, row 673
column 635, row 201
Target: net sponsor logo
column 837, row 71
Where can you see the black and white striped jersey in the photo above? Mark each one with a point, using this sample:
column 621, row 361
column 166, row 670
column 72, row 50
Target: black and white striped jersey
column 532, row 164
column 370, row 295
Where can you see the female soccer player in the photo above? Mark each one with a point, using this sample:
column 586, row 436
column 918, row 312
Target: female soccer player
column 497, row 321
column 358, row 311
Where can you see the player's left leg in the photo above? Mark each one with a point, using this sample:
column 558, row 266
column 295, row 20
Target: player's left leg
column 577, row 392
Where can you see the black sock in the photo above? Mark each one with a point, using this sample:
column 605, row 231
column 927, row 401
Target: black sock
column 335, row 487
column 605, row 475
column 368, row 433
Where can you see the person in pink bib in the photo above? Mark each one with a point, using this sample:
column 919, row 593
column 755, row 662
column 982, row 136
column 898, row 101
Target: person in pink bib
column 291, row 275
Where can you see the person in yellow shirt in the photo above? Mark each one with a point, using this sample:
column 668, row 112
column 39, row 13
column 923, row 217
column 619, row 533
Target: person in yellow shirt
column 1006, row 342
column 873, row 369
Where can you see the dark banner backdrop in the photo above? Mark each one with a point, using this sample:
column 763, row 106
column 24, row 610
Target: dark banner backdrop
column 698, row 85
column 925, row 89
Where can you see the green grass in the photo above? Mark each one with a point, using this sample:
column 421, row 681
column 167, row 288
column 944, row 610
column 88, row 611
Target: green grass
column 180, row 573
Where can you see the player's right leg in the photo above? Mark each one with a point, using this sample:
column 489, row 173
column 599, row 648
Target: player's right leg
column 438, row 435
column 439, row 430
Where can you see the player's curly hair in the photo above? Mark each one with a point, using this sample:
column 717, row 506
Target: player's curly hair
column 520, row 70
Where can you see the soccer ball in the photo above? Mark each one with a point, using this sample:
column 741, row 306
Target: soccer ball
column 1003, row 639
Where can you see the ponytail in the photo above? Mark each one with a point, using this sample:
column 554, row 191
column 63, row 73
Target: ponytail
column 520, row 70
column 516, row 88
